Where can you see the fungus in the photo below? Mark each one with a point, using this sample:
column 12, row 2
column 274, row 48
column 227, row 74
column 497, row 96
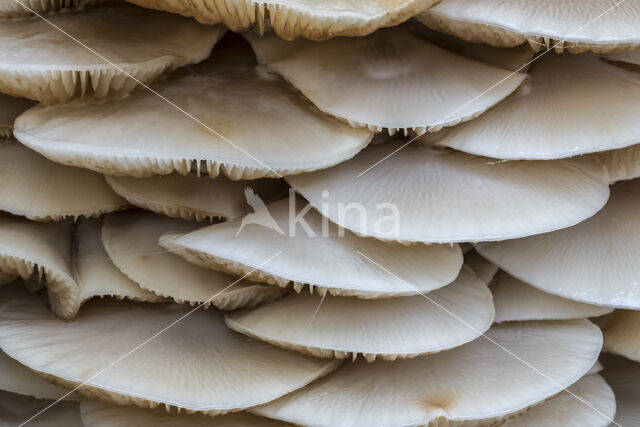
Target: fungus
column 14, row 9
column 10, row 109
column 624, row 376
column 620, row 330
column 484, row 269
column 15, row 409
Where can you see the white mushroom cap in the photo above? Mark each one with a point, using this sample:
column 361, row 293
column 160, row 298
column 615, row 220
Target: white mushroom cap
column 277, row 133
column 620, row 330
column 131, row 240
column 477, row 380
column 391, row 328
column 445, row 196
column 621, row 164
column 41, row 190
column 484, row 269
column 314, row 253
column 197, row 364
column 598, row 25
column 623, row 376
column 100, row 414
column 191, row 197
column 10, row 109
column 15, row 409
column 41, row 62
column 570, row 105
column 13, row 8
column 515, row 300
column 395, row 80
column 313, row 19
column 593, row 262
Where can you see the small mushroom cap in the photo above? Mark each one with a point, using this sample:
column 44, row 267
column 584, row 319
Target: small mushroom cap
column 391, row 328
column 313, row 19
column 394, row 79
column 483, row 268
column 131, row 240
column 197, row 364
column 620, row 330
column 100, row 414
column 191, row 197
column 624, row 376
column 41, row 190
column 10, row 109
column 515, row 300
column 277, row 133
column 476, row 380
column 621, row 164
column 14, row 9
column 317, row 256
column 593, row 262
column 41, row 62
column 446, row 196
column 570, row 105
column 15, row 409
column 597, row 25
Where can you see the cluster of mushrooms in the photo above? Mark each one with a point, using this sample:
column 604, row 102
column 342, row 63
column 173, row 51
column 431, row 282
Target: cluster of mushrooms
column 320, row 212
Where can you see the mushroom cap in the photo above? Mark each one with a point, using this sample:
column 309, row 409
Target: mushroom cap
column 313, row 19
column 318, row 256
column 622, row 164
column 570, row 105
column 15, row 409
column 190, row 197
column 277, row 133
column 197, row 364
column 477, row 380
column 131, row 240
column 41, row 190
column 41, row 62
column 592, row 262
column 14, row 9
column 620, row 330
column 393, row 79
column 391, row 328
column 598, row 25
column 515, row 301
column 483, row 268
column 10, row 109
column 439, row 195
column 623, row 376
column 101, row 414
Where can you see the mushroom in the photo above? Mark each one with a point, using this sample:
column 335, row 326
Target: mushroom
column 599, row 25
column 167, row 355
column 88, row 52
column 592, row 262
column 191, row 197
column 570, row 105
column 14, row 9
column 621, row 164
column 100, row 414
column 10, row 109
column 390, row 329
column 131, row 240
column 446, row 196
column 221, row 132
column 628, row 57
column 484, row 269
column 474, row 381
column 313, row 252
column 514, row 300
column 15, row 409
column 624, row 376
column 41, row 190
column 620, row 330
column 313, row 19
column 393, row 79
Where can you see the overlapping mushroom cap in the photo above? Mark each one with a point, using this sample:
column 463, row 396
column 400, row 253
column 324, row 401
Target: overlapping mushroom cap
column 10, row 109
column 592, row 262
column 477, row 380
column 418, row 193
column 570, row 105
column 622, row 164
column 41, row 190
column 393, row 79
column 89, row 52
column 620, row 330
column 313, row 19
column 287, row 241
column 131, row 240
column 207, row 125
column 597, row 25
column 196, row 363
